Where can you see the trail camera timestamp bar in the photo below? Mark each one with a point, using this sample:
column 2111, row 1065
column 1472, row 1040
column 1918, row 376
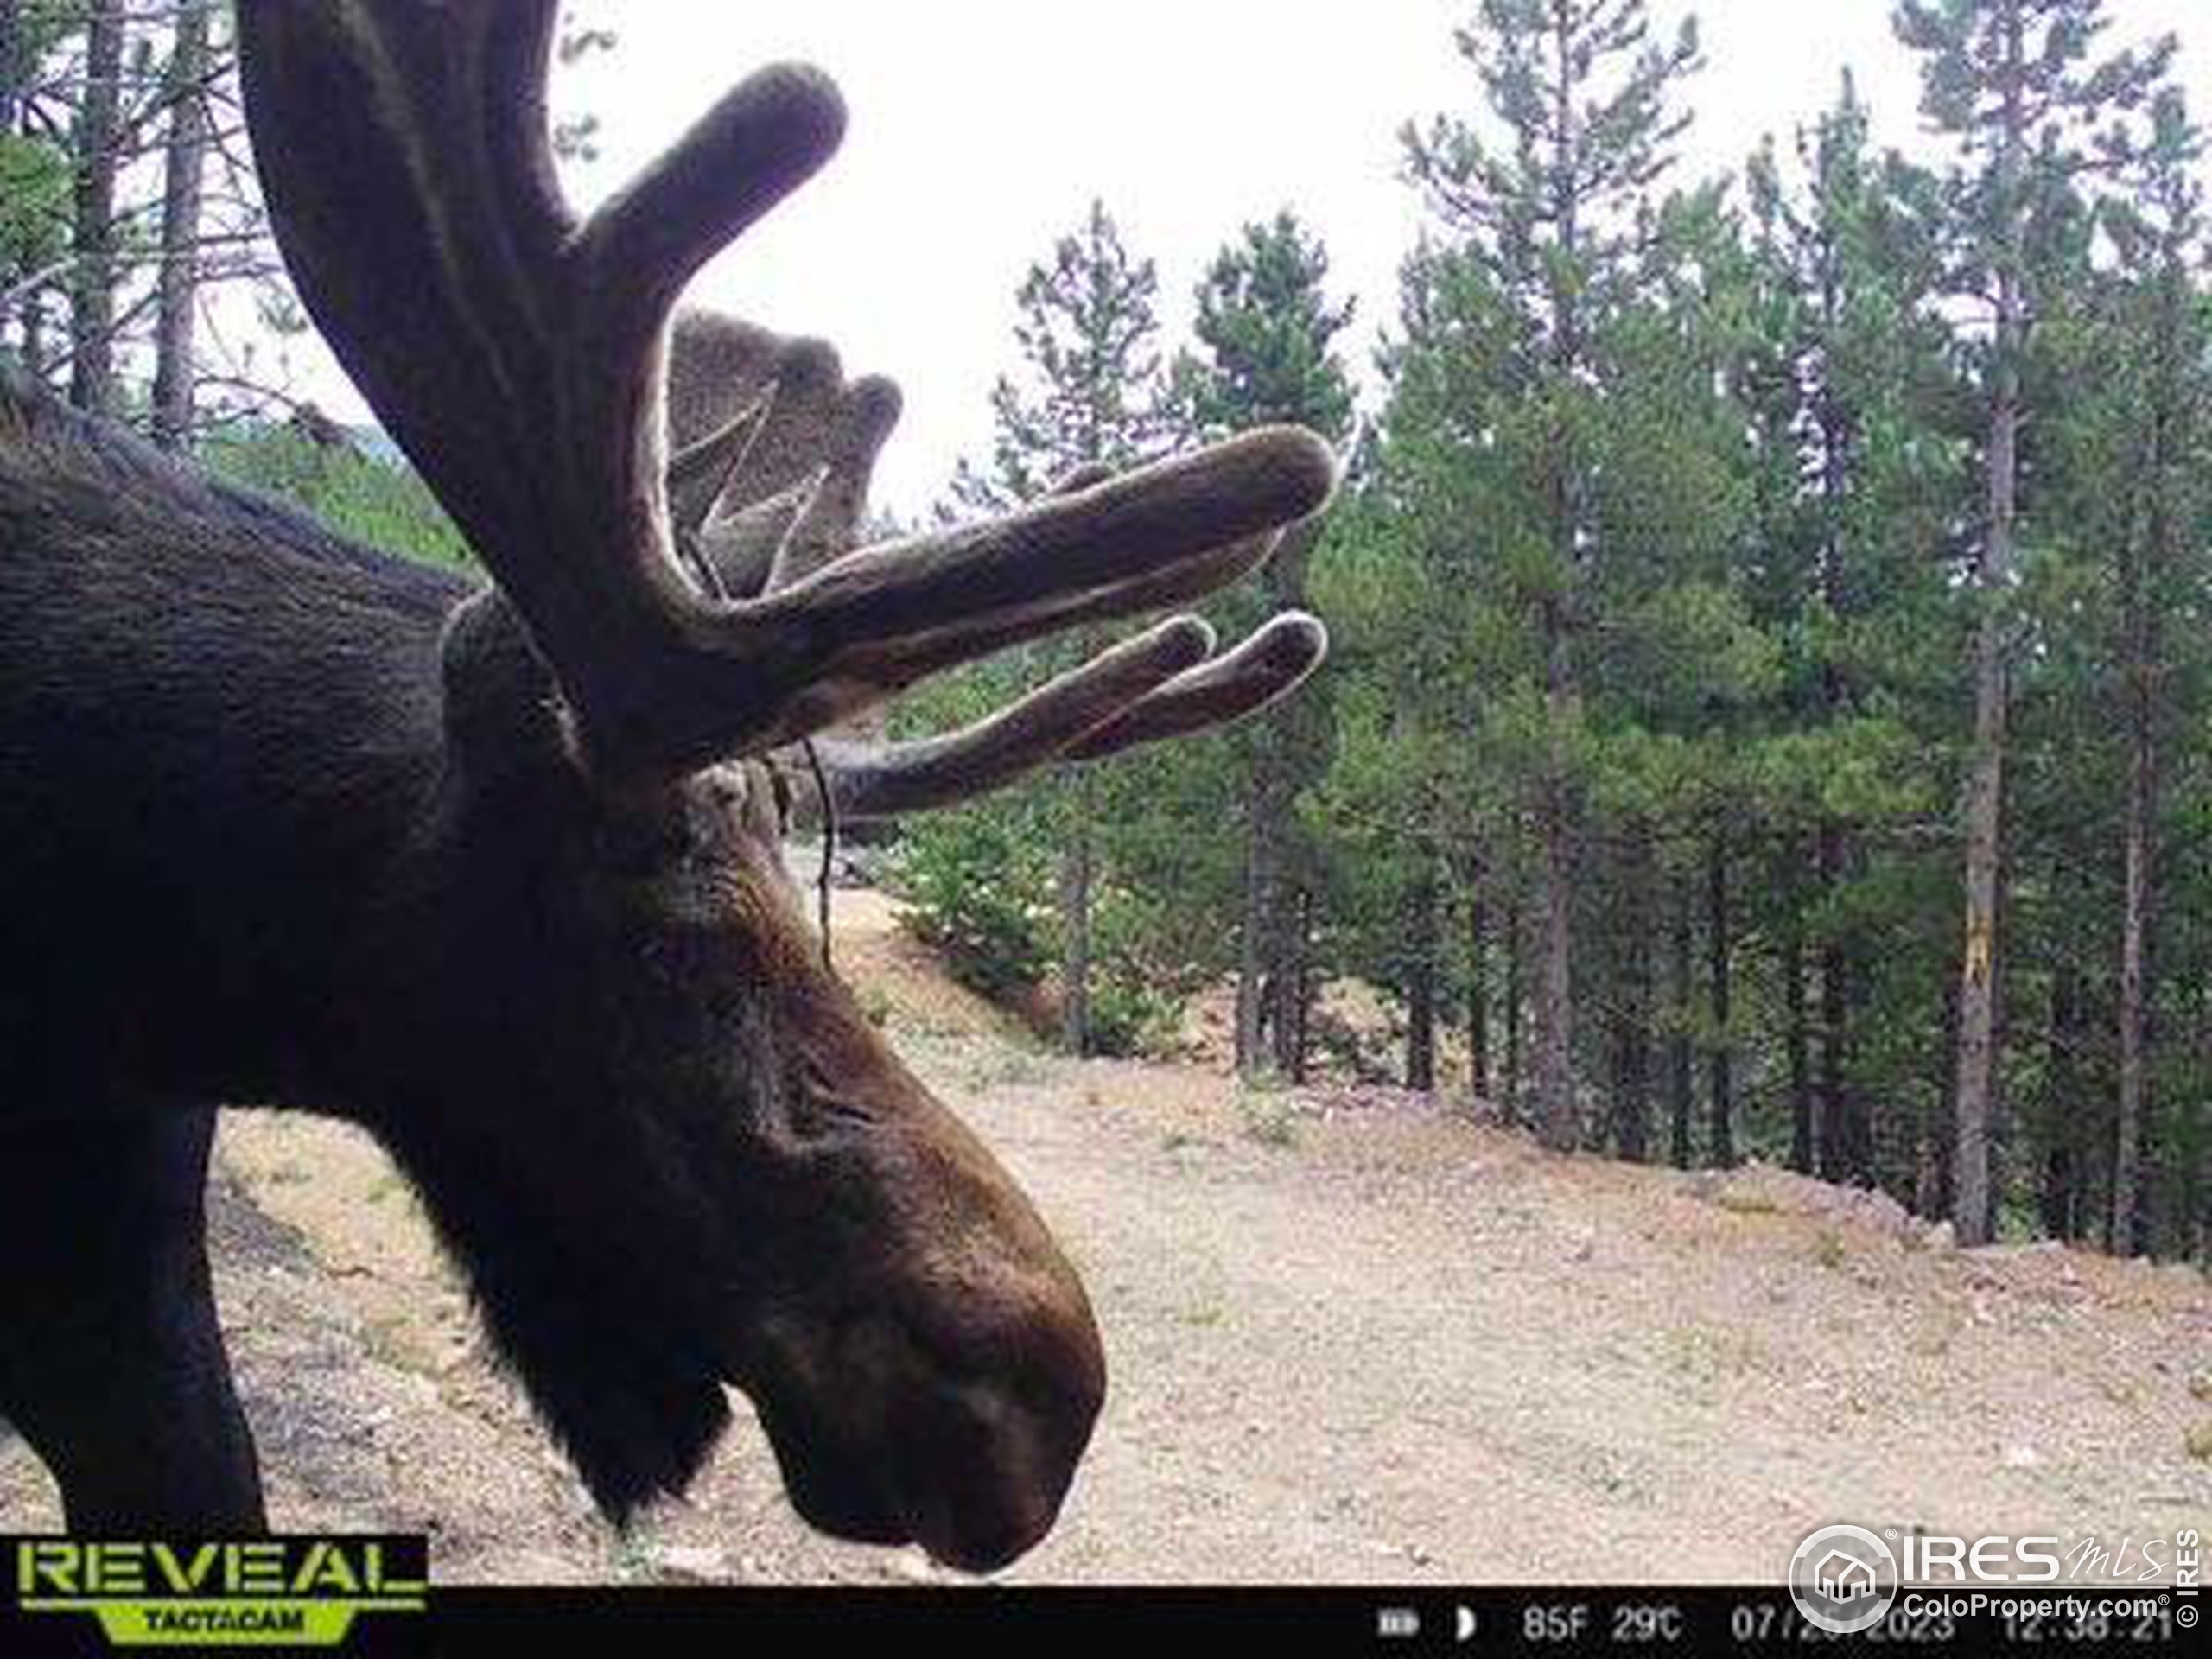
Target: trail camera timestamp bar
column 1719, row 1620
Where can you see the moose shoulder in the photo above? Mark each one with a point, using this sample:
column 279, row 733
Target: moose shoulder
column 493, row 871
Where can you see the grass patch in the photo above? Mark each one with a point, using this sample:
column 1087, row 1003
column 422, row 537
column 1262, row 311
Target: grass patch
column 1006, row 1068
column 1741, row 1198
column 1269, row 1121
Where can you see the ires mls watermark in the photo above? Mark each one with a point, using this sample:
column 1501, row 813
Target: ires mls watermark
column 1845, row 1578
column 278, row 1592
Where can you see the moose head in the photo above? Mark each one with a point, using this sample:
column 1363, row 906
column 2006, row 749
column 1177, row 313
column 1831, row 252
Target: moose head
column 580, row 999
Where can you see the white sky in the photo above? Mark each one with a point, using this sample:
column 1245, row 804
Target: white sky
column 981, row 129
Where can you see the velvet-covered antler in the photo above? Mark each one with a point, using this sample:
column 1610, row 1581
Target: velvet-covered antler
column 517, row 353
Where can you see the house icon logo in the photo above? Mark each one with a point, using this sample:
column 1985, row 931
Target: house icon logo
column 1843, row 1579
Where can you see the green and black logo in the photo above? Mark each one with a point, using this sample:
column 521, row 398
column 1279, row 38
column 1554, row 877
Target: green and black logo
column 292, row 1592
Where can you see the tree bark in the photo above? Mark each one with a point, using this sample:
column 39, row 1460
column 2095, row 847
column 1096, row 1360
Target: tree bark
column 1805, row 1130
column 1556, row 1114
column 1932, row 1155
column 1251, row 956
column 1420, row 989
column 1632, row 998
column 1973, row 1209
column 1721, row 1060
column 2061, row 1192
column 1559, row 1118
column 1477, row 994
column 1844, row 1140
column 1075, row 921
column 2139, row 573
column 1682, row 997
column 93, row 276
column 1514, row 936
column 2135, row 906
column 184, row 163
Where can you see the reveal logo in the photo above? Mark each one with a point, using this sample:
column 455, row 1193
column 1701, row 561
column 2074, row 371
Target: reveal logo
column 301, row 1591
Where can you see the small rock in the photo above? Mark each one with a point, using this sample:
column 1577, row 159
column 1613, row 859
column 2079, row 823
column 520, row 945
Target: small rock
column 2021, row 1457
column 913, row 1567
column 692, row 1564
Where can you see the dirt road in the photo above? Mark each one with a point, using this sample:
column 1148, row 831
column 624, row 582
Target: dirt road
column 1350, row 1338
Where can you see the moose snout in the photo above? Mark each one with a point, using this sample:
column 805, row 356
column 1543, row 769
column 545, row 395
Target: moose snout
column 960, row 1432
column 982, row 1464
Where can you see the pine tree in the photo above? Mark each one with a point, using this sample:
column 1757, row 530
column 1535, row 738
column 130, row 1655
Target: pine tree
column 2012, row 82
column 184, row 163
column 1845, row 382
column 1542, row 203
column 1265, row 329
column 1092, row 399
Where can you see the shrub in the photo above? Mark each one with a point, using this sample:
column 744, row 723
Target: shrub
column 978, row 893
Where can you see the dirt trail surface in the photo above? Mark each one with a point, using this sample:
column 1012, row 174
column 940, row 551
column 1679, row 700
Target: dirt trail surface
column 1352, row 1337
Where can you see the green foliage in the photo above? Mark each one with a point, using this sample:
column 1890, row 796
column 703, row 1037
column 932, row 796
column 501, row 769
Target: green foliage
column 978, row 888
column 1091, row 388
column 383, row 503
column 34, row 205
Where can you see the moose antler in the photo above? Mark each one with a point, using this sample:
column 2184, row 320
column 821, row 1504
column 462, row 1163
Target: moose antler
column 769, row 420
column 516, row 354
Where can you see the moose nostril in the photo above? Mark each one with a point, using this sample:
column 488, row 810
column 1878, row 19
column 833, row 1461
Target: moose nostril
column 991, row 1473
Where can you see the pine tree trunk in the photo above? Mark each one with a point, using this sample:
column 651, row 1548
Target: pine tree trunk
column 1514, row 936
column 1978, row 1012
column 1932, row 1160
column 1632, row 998
column 1842, row 1136
column 2138, row 573
column 1681, row 999
column 1299, row 1023
column 1973, row 1211
column 1556, row 1115
column 1720, row 1065
column 93, row 276
column 1251, row 958
column 1805, row 1131
column 2060, row 1193
column 1478, row 997
column 1075, row 922
column 2134, row 925
column 1420, row 990
column 1290, row 910
column 1845, row 1141
column 184, row 163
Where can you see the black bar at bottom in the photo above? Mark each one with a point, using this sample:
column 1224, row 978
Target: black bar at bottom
column 1496, row 1619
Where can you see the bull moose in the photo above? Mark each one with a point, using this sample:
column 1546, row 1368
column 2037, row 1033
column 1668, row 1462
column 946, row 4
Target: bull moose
column 494, row 871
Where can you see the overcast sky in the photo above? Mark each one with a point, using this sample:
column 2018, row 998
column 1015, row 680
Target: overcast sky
column 981, row 129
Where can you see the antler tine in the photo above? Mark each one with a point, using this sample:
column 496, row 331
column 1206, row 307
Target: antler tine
column 878, row 780
column 520, row 367
column 1161, row 685
column 1231, row 687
